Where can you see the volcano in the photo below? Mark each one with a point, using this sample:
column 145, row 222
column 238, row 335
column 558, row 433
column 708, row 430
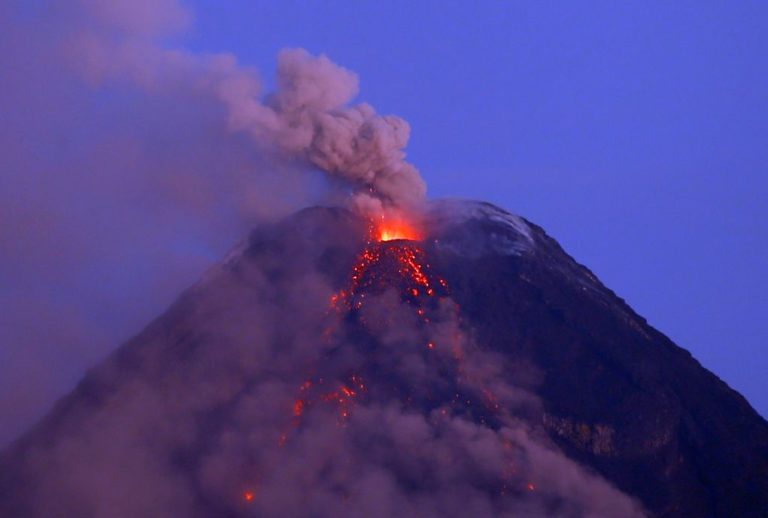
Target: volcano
column 325, row 368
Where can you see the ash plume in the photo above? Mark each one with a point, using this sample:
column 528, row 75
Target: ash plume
column 308, row 118
column 354, row 143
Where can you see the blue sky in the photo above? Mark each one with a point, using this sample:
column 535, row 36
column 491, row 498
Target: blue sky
column 633, row 132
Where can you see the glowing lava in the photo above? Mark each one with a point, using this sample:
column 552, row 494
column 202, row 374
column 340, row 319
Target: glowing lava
column 396, row 257
column 317, row 390
column 397, row 228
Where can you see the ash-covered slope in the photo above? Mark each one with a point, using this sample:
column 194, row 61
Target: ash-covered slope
column 479, row 372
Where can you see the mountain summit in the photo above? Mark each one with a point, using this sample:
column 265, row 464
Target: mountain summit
column 471, row 369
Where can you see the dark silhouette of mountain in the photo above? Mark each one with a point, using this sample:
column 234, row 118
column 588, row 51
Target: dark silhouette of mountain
column 618, row 394
column 534, row 389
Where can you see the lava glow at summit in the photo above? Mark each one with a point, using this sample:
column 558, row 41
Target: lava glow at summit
column 397, row 228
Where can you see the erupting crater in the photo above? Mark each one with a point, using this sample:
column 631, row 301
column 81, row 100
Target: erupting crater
column 394, row 258
column 393, row 229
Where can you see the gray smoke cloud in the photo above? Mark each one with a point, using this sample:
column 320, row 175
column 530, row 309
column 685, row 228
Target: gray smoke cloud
column 308, row 117
column 354, row 143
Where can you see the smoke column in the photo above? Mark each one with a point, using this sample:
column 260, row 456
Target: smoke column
column 308, row 118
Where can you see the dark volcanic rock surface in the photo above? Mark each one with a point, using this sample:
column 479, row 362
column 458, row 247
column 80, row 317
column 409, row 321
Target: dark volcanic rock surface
column 618, row 394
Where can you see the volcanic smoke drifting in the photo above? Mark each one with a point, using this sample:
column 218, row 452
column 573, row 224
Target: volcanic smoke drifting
column 385, row 358
column 308, row 118
column 128, row 165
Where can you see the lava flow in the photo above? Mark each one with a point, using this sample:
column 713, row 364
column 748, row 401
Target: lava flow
column 390, row 261
column 394, row 258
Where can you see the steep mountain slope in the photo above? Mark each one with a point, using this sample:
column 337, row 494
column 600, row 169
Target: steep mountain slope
column 478, row 371
column 618, row 395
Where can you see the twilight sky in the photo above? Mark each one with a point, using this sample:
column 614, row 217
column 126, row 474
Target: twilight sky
column 634, row 133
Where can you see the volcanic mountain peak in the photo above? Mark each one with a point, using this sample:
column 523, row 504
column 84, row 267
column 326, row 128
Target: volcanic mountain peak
column 319, row 371
column 459, row 209
column 476, row 228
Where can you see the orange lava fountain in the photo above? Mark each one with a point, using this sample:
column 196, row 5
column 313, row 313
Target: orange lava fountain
column 393, row 228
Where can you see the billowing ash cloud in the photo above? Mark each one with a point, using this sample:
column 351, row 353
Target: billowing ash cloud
column 309, row 117
column 127, row 164
column 354, row 143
